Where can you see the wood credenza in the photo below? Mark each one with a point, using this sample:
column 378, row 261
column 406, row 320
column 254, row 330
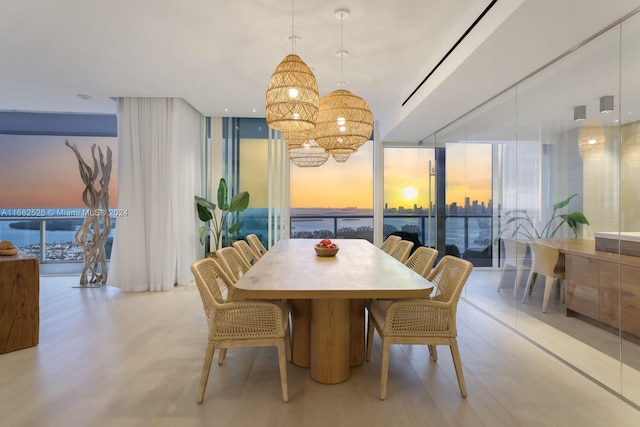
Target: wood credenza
column 19, row 302
column 602, row 286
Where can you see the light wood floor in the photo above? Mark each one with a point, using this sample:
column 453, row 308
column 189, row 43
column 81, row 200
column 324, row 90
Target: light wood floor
column 108, row 358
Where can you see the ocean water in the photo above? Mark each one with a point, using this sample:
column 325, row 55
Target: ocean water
column 22, row 238
column 304, row 220
column 308, row 220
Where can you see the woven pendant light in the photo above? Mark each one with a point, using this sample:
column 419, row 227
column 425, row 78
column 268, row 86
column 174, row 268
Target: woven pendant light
column 344, row 122
column 308, row 155
column 340, row 158
column 295, row 139
column 292, row 95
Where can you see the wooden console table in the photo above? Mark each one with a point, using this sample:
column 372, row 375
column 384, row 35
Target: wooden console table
column 19, row 302
column 602, row 286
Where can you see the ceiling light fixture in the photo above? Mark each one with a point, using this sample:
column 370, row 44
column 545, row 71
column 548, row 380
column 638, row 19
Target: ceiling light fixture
column 309, row 154
column 606, row 104
column 591, row 141
column 292, row 95
column 344, row 120
column 579, row 112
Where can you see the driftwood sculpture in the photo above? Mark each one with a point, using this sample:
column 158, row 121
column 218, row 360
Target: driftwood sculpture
column 93, row 234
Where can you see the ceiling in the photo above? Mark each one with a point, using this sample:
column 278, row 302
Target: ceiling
column 219, row 55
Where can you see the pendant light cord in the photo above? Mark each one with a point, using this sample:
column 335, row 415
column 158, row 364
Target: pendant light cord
column 341, row 49
column 293, row 34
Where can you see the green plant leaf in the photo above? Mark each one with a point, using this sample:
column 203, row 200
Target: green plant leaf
column 205, row 209
column 223, row 191
column 576, row 217
column 202, row 233
column 564, row 203
column 239, row 202
column 234, row 228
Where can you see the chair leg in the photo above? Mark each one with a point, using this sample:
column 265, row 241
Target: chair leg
column 548, row 286
column 502, row 273
column 563, row 289
column 222, row 355
column 530, row 281
column 433, row 351
column 455, row 353
column 516, row 284
column 384, row 369
column 208, row 358
column 282, row 360
column 287, row 345
column 370, row 329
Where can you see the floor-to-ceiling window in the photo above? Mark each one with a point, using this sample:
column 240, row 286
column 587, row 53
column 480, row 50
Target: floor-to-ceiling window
column 334, row 199
column 41, row 200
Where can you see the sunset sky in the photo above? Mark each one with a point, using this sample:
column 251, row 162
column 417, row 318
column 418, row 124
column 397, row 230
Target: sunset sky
column 350, row 184
column 41, row 172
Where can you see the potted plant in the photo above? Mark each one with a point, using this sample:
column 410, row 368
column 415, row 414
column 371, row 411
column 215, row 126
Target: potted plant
column 520, row 223
column 216, row 223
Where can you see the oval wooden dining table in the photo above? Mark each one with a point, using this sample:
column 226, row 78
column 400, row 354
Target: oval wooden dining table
column 328, row 296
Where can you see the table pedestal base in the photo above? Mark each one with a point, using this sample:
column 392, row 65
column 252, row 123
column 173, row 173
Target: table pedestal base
column 330, row 348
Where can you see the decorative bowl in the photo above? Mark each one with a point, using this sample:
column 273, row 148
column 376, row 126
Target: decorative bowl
column 322, row 251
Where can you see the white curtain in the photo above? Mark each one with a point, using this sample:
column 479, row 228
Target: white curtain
column 278, row 184
column 159, row 164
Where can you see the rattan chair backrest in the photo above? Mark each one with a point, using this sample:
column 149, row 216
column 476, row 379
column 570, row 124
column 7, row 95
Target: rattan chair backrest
column 214, row 285
column 256, row 244
column 401, row 250
column 245, row 250
column 389, row 243
column 449, row 277
column 232, row 262
column 421, row 260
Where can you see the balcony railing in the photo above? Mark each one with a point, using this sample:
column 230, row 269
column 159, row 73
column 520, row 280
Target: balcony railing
column 472, row 234
column 55, row 234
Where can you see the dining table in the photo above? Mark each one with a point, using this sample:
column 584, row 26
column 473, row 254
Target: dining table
column 328, row 297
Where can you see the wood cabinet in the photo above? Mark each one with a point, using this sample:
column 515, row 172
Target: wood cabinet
column 603, row 286
column 19, row 302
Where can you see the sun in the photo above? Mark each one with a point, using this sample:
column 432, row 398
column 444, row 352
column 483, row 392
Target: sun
column 410, row 193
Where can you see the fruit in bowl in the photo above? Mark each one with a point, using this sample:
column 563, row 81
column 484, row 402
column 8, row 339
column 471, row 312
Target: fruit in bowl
column 326, row 248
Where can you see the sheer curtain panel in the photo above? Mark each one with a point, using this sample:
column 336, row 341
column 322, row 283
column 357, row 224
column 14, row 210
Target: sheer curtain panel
column 159, row 146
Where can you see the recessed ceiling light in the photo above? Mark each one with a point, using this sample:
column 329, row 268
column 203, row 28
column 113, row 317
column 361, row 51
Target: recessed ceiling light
column 83, row 96
column 226, row 109
column 606, row 104
column 254, row 110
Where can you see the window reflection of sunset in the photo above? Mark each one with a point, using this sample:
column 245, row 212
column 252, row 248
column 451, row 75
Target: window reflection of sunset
column 468, row 173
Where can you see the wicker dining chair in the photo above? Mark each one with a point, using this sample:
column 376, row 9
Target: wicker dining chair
column 390, row 242
column 425, row 321
column 256, row 245
column 245, row 250
column 401, row 250
column 232, row 262
column 239, row 324
column 421, row 260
